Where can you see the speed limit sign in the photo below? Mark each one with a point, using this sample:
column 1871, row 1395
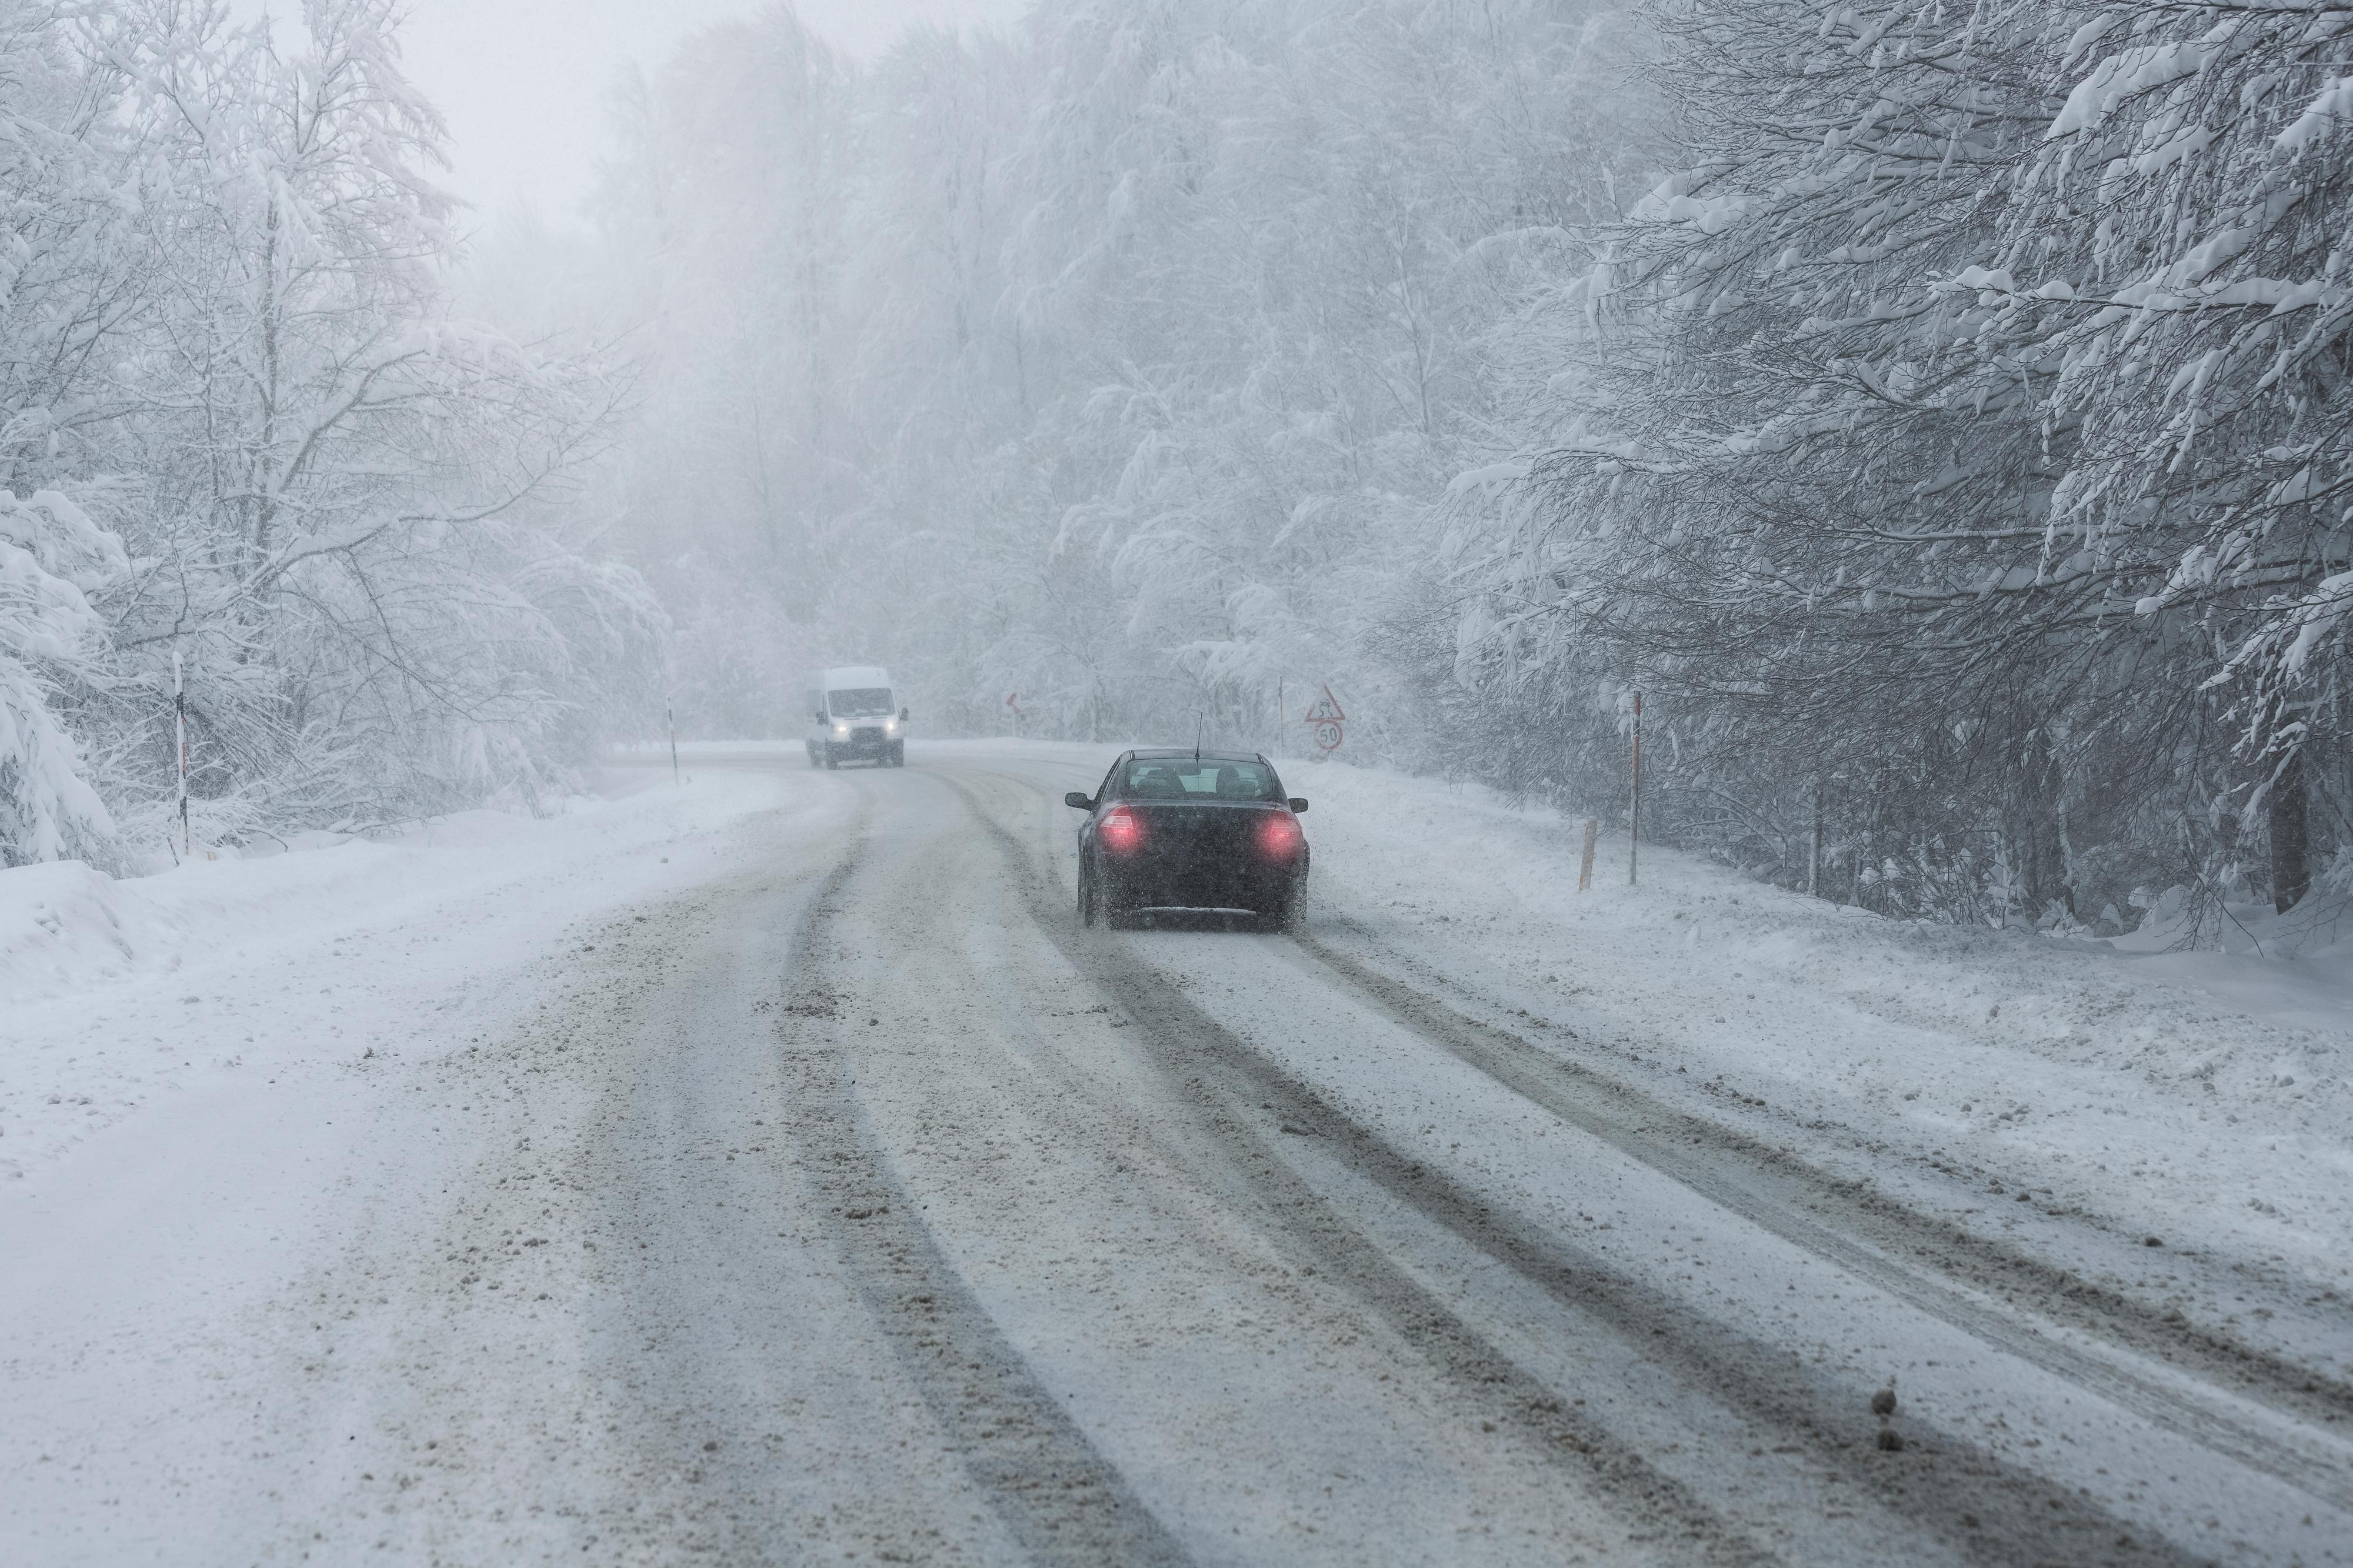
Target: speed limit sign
column 1324, row 722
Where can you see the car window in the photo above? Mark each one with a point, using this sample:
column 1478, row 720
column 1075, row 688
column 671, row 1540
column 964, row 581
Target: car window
column 857, row 702
column 1184, row 778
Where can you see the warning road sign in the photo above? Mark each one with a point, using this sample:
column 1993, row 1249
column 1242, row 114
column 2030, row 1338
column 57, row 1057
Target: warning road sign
column 1327, row 711
column 1324, row 721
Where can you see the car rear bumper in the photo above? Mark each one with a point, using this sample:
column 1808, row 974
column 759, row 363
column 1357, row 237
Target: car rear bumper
column 1255, row 889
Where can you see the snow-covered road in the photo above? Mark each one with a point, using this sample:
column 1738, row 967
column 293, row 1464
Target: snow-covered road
column 818, row 1193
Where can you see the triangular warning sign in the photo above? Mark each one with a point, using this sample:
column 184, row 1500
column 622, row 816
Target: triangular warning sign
column 1326, row 712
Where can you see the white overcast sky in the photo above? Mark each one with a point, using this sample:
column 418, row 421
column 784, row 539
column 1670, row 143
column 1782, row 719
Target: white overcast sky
column 522, row 81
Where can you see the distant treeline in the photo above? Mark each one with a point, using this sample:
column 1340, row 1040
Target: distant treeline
column 1938, row 412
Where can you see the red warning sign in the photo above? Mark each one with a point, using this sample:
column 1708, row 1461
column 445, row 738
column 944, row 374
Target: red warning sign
column 1324, row 719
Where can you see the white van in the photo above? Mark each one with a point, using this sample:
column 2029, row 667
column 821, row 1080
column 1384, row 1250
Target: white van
column 853, row 717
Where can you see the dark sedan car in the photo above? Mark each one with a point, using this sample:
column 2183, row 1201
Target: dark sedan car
column 1180, row 832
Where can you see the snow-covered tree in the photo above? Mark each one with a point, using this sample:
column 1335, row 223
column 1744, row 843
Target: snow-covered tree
column 52, row 557
column 2178, row 260
column 1949, row 448
column 1116, row 362
column 1791, row 484
column 245, row 433
column 336, row 532
column 69, row 278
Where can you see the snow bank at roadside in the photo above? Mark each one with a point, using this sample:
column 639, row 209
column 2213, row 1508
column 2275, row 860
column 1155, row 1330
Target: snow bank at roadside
column 658, row 752
column 2202, row 1095
column 65, row 927
column 111, row 991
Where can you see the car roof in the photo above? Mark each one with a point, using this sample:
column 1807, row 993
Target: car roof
column 1188, row 753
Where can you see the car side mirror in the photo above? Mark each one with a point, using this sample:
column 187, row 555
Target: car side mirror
column 1078, row 802
column 902, row 715
column 1297, row 804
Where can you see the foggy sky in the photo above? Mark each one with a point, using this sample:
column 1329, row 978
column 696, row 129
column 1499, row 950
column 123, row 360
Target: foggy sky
column 522, row 81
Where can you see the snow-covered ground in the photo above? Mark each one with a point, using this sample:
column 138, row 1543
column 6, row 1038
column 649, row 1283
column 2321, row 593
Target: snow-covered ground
column 273, row 1131
column 2201, row 1097
column 232, row 969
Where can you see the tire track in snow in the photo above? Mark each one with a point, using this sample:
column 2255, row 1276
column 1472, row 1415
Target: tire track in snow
column 1631, row 1122
column 1060, row 1498
column 1503, row 1391
column 1985, row 1506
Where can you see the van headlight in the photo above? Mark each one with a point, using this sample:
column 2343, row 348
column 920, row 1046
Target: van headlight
column 891, row 725
column 840, row 728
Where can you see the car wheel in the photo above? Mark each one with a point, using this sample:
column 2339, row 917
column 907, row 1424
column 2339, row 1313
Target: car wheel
column 1109, row 910
column 1086, row 898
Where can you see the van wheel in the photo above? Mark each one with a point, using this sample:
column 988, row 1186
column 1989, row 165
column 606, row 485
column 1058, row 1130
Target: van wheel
column 830, row 760
column 899, row 755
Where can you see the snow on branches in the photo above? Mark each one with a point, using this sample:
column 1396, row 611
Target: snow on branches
column 1964, row 427
column 52, row 557
column 2180, row 256
column 229, row 334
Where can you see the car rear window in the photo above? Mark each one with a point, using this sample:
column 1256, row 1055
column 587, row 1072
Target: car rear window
column 1182, row 778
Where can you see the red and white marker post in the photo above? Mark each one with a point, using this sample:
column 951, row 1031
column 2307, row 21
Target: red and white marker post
column 1634, row 818
column 180, row 745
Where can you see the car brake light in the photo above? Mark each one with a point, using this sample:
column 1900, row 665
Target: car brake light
column 1121, row 829
column 1278, row 836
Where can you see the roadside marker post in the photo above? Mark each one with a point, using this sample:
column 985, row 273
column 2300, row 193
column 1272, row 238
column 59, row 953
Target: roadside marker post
column 1634, row 817
column 670, row 717
column 180, row 745
column 1585, row 864
column 1814, row 846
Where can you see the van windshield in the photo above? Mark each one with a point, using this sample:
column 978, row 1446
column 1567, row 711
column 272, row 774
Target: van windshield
column 858, row 703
